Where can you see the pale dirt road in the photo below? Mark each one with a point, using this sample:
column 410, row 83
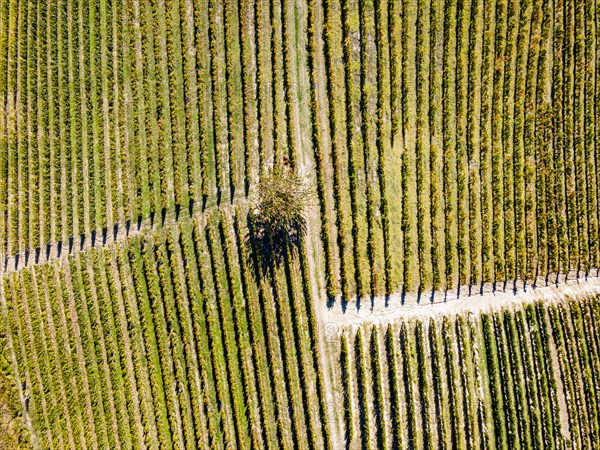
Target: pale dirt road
column 336, row 318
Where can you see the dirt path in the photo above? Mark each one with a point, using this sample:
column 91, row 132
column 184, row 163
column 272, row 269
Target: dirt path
column 314, row 253
column 563, row 410
column 325, row 354
column 335, row 318
column 307, row 167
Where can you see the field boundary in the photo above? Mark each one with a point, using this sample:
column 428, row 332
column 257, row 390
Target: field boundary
column 107, row 236
column 387, row 310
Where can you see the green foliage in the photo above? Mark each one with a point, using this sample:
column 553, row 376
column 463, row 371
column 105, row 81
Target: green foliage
column 487, row 380
column 278, row 217
column 391, row 349
column 346, row 381
column 450, row 141
column 13, row 434
column 363, row 380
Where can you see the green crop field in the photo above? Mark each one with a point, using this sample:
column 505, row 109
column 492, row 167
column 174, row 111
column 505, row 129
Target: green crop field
column 174, row 339
column 515, row 378
column 443, row 291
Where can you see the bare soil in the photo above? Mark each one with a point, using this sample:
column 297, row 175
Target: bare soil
column 386, row 310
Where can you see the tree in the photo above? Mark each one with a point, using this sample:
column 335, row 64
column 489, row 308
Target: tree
column 278, row 222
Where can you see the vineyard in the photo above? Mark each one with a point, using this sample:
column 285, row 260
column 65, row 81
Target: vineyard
column 13, row 433
column 524, row 377
column 462, row 141
column 446, row 144
column 116, row 112
column 449, row 142
column 170, row 340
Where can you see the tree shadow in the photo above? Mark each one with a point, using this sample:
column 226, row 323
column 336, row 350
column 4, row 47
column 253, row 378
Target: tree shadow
column 269, row 245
